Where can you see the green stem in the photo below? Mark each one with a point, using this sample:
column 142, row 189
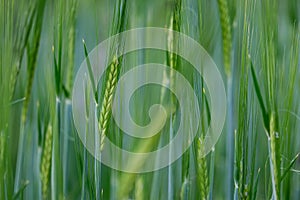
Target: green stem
column 274, row 154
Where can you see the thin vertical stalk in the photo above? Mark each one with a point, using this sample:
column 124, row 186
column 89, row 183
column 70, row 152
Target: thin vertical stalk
column 274, row 149
column 71, row 13
column 173, row 62
column 211, row 173
column 56, row 169
column 227, row 44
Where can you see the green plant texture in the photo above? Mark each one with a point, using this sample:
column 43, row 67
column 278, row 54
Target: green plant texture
column 255, row 45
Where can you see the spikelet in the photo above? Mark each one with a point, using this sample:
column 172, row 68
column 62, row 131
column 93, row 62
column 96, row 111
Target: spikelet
column 46, row 161
column 226, row 35
column 107, row 100
column 202, row 171
column 71, row 47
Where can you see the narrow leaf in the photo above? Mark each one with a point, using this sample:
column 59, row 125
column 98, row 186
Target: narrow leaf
column 260, row 98
column 90, row 71
column 289, row 168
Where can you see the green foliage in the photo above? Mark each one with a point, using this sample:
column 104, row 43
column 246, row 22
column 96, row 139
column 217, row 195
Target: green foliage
column 255, row 45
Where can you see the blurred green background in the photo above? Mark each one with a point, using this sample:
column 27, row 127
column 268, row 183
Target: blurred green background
column 42, row 49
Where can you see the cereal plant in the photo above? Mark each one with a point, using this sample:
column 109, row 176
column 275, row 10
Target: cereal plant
column 161, row 99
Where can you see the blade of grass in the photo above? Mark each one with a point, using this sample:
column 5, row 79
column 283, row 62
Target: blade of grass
column 287, row 170
column 90, row 70
column 19, row 194
column 255, row 185
column 259, row 97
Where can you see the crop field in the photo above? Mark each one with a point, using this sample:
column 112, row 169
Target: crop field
column 140, row 99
